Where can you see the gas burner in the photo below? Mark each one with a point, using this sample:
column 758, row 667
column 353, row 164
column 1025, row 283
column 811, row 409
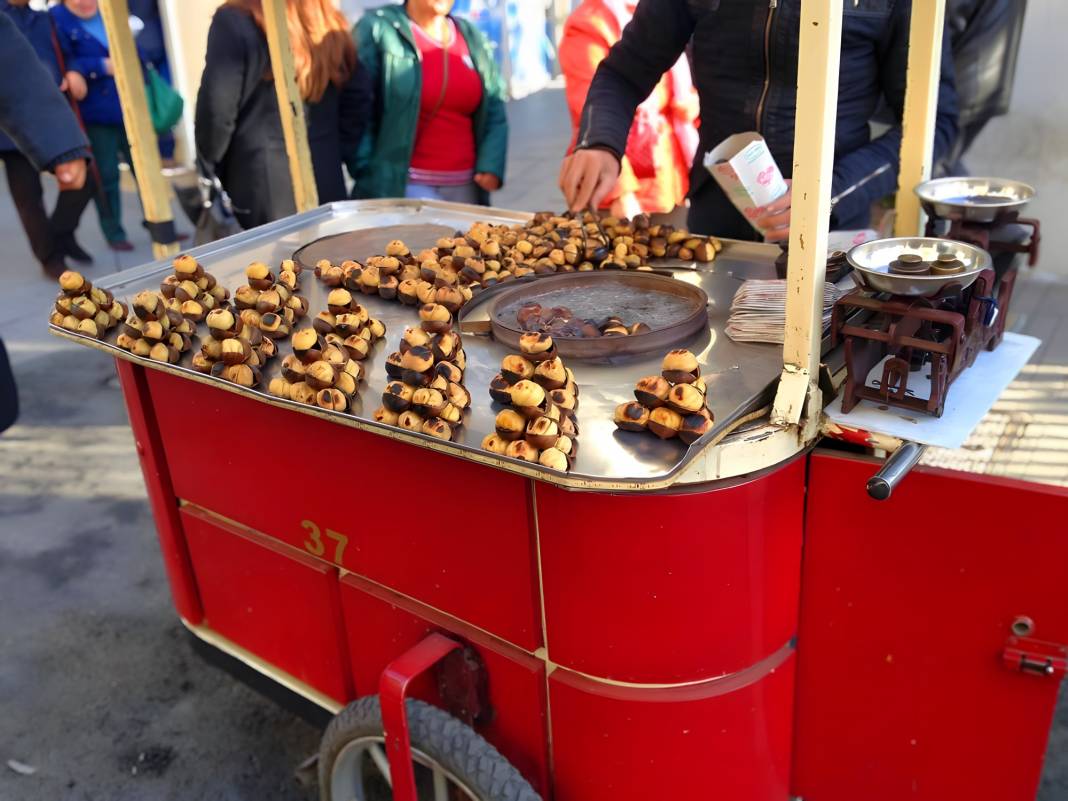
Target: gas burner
column 943, row 334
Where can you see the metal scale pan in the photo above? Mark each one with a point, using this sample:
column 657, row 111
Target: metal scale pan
column 871, row 265
column 980, row 200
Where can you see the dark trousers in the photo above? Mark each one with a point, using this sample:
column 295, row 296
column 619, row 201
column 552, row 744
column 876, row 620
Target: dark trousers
column 110, row 147
column 45, row 232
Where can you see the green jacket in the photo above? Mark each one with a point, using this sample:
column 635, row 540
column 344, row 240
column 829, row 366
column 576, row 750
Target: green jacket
column 386, row 48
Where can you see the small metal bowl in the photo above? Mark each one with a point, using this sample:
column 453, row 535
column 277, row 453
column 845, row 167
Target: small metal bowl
column 974, row 199
column 871, row 265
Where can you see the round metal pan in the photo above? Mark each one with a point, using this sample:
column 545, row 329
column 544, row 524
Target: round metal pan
column 692, row 316
column 974, row 199
column 871, row 265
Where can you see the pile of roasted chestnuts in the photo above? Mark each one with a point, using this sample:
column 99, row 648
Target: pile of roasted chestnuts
column 541, row 396
column 271, row 303
column 191, row 291
column 155, row 331
column 85, row 309
column 425, row 392
column 671, row 404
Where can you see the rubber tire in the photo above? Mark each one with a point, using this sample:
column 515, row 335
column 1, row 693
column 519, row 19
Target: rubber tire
column 443, row 738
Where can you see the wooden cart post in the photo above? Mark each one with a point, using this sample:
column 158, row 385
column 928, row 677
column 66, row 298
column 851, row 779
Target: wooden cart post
column 129, row 79
column 290, row 105
column 921, row 106
column 817, row 108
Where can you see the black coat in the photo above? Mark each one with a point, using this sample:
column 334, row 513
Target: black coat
column 239, row 130
column 33, row 112
column 746, row 50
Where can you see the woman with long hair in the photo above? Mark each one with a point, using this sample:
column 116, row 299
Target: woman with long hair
column 440, row 129
column 238, row 127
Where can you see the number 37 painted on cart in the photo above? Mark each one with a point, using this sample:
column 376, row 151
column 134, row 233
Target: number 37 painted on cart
column 324, row 543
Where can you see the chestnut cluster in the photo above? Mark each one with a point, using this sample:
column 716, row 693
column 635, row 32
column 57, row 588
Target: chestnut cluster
column 671, row 404
column 85, row 309
column 425, row 392
column 271, row 303
column 320, row 372
column 191, row 291
column 412, row 279
column 154, row 330
column 540, row 424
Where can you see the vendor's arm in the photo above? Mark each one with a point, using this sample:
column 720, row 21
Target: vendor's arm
column 651, row 44
column 584, row 45
column 855, row 176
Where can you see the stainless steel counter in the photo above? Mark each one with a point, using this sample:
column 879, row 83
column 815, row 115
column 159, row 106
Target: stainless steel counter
column 739, row 376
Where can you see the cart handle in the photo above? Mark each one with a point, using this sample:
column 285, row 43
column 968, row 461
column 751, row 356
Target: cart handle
column 895, row 468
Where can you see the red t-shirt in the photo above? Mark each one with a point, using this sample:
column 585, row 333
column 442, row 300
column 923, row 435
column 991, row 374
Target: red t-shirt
column 445, row 139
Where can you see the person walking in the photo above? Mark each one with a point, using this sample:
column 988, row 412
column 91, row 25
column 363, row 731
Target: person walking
column 51, row 236
column 84, row 44
column 654, row 170
column 238, row 128
column 440, row 130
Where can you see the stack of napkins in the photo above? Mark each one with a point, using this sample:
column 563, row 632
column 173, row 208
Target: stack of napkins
column 758, row 311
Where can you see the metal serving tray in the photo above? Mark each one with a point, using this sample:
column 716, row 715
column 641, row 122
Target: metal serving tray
column 739, row 376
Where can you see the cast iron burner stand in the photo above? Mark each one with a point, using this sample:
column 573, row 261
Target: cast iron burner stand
column 1005, row 234
column 946, row 331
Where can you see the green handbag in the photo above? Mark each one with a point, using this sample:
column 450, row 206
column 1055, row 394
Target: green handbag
column 164, row 103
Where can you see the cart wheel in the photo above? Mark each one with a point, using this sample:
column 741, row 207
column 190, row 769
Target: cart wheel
column 452, row 762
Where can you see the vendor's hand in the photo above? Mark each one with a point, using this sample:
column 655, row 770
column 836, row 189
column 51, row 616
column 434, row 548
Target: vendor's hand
column 71, row 175
column 74, row 83
column 487, row 181
column 586, row 176
column 109, row 66
column 774, row 218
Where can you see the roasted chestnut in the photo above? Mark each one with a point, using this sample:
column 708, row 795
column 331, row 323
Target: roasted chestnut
column 223, row 324
column 308, row 345
column 410, row 421
column 320, row 375
column 302, row 393
column 387, row 287
column 449, row 371
column 346, row 382
column 418, row 359
column 551, row 373
column 500, row 390
column 324, row 323
column 357, row 347
column 695, row 426
column 554, row 460
column 398, row 396
column 516, row 368
column 664, row 422
column 521, row 449
column 435, row 318
column 631, row 416
column 428, row 402
column 680, row 367
column 384, row 415
column 394, row 368
column 259, row 275
column 527, row 395
column 437, row 428
column 453, row 415
column 494, row 444
column 292, row 368
column 686, row 398
column 73, row 283
column 235, row 351
column 414, row 337
column 563, row 399
column 537, row 346
column 339, row 301
column 406, row 291
column 510, row 425
column 332, row 399
column 542, row 432
column 457, row 395
column 278, row 387
column 201, row 363
column 186, row 268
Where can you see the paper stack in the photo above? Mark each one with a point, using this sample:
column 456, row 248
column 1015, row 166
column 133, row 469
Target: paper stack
column 758, row 311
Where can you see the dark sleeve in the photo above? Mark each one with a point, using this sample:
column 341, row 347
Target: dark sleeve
column 856, row 181
column 354, row 112
column 222, row 86
column 652, row 42
column 369, row 57
column 33, row 112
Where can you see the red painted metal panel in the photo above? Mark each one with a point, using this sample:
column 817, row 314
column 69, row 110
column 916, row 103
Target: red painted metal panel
column 160, row 490
column 278, row 603
column 906, row 611
column 672, row 587
column 727, row 739
column 450, row 533
column 382, row 625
